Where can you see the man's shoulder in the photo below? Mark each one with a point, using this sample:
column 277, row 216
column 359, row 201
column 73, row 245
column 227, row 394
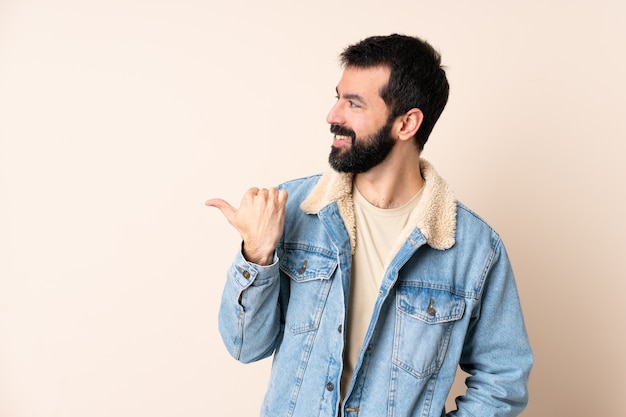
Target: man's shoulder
column 299, row 188
column 470, row 224
column 298, row 182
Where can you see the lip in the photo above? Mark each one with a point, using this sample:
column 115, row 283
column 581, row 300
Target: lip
column 341, row 140
column 342, row 132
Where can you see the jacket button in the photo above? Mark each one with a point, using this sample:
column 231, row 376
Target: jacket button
column 244, row 272
column 330, row 386
column 431, row 308
column 340, row 328
column 302, row 268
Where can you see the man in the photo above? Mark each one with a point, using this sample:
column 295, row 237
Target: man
column 371, row 284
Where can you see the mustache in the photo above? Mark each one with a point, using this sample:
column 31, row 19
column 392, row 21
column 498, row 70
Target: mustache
column 343, row 131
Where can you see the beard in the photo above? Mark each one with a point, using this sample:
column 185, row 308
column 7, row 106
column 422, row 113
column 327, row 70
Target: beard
column 365, row 153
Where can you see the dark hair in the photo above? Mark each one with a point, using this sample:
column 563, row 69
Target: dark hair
column 417, row 79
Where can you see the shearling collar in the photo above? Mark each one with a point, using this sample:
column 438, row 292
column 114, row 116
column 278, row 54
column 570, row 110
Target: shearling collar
column 434, row 216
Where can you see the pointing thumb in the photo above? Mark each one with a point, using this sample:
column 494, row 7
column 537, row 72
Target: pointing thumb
column 227, row 210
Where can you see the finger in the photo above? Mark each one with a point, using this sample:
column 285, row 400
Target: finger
column 274, row 191
column 252, row 192
column 273, row 198
column 272, row 194
column 227, row 210
column 249, row 195
column 282, row 196
column 277, row 198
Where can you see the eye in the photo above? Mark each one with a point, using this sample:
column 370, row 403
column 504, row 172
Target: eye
column 353, row 104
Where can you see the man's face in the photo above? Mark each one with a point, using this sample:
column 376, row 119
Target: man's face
column 359, row 121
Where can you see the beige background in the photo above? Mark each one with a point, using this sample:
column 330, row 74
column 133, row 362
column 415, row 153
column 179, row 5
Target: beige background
column 119, row 118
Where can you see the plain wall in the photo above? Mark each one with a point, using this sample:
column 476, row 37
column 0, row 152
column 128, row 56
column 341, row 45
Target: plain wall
column 118, row 119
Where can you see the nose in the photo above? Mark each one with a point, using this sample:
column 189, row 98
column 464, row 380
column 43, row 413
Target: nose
column 335, row 116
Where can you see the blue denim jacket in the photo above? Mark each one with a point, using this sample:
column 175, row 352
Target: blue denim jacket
column 448, row 298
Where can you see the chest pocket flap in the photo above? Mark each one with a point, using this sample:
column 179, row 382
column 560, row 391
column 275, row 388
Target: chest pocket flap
column 429, row 305
column 307, row 265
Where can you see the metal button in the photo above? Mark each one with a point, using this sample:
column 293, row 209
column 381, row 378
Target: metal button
column 330, row 386
column 244, row 272
column 431, row 308
column 340, row 328
column 302, row 268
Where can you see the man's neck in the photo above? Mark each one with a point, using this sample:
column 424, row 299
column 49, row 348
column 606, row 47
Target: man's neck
column 393, row 182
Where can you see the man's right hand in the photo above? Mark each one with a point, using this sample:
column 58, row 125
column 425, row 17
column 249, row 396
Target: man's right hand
column 259, row 220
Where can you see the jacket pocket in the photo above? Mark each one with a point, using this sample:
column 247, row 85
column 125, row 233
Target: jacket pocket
column 424, row 322
column 310, row 274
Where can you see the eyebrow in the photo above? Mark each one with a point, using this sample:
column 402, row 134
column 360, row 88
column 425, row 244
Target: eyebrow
column 351, row 96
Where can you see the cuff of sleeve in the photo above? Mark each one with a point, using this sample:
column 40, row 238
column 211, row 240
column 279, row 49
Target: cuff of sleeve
column 247, row 273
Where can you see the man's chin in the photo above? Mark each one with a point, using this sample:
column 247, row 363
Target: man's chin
column 337, row 165
column 342, row 167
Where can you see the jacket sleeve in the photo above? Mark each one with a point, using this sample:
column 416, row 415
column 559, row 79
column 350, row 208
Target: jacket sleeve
column 497, row 353
column 249, row 316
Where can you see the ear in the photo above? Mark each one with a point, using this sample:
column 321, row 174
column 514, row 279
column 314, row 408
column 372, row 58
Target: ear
column 410, row 123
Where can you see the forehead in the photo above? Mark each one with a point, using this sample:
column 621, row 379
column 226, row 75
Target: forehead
column 366, row 82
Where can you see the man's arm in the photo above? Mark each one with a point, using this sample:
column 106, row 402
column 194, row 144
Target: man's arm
column 249, row 317
column 497, row 353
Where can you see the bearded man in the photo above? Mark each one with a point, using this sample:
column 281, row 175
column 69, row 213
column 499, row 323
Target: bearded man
column 371, row 284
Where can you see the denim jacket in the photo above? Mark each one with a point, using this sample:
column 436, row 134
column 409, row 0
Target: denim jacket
column 448, row 298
